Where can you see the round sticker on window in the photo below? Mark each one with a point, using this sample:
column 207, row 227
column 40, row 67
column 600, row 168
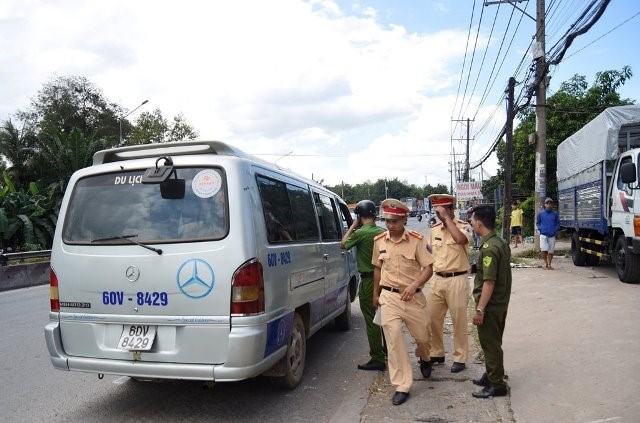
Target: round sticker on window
column 206, row 183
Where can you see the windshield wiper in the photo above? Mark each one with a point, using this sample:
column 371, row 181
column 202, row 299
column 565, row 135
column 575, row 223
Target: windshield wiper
column 128, row 239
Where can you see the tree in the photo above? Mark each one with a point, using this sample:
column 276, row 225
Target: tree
column 16, row 146
column 152, row 127
column 69, row 102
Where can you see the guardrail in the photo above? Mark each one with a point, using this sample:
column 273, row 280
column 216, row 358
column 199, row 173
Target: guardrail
column 5, row 258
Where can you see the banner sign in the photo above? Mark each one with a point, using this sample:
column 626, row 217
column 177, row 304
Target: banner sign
column 466, row 191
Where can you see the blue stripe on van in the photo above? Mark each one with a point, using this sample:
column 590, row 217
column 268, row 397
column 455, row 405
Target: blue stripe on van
column 278, row 332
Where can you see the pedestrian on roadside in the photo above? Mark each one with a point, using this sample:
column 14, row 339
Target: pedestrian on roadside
column 449, row 243
column 517, row 223
column 360, row 235
column 491, row 292
column 548, row 223
column 402, row 267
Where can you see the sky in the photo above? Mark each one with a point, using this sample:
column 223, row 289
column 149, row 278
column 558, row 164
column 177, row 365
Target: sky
column 343, row 91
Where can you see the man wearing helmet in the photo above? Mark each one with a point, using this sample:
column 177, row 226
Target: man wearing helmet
column 360, row 235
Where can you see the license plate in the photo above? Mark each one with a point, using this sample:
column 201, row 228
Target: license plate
column 137, row 337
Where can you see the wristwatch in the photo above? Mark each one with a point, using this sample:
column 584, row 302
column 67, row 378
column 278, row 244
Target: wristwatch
column 479, row 311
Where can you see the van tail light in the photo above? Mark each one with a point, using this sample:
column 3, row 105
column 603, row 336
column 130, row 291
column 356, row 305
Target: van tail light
column 53, row 291
column 636, row 225
column 247, row 289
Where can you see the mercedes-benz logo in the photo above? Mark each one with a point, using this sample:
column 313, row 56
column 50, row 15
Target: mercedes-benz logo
column 195, row 278
column 132, row 273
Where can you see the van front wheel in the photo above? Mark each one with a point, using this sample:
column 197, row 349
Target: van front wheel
column 343, row 321
column 296, row 356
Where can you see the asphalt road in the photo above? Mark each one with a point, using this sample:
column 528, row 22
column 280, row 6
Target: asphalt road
column 33, row 391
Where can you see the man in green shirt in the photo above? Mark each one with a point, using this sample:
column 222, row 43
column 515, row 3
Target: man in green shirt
column 491, row 292
column 360, row 235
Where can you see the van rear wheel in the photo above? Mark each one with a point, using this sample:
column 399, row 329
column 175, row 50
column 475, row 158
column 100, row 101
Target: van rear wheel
column 294, row 361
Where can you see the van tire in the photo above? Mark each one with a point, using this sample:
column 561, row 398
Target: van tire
column 343, row 321
column 294, row 360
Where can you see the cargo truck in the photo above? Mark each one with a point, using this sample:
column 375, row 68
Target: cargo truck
column 599, row 193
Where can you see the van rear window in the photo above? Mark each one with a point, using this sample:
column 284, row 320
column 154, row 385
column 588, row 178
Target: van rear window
column 104, row 207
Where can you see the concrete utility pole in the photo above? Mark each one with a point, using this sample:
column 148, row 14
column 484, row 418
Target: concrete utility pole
column 539, row 55
column 541, row 117
column 465, row 175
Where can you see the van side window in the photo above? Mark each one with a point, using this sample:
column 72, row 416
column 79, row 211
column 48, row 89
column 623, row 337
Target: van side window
column 304, row 217
column 328, row 215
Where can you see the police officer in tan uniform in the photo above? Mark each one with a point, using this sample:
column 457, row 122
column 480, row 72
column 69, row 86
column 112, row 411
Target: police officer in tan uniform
column 402, row 266
column 449, row 243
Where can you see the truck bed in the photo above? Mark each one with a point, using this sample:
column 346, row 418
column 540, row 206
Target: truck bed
column 581, row 199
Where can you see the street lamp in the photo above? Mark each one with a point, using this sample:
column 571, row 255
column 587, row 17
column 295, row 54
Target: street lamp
column 141, row 104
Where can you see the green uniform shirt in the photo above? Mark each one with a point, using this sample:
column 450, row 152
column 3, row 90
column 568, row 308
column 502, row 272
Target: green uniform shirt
column 362, row 239
column 494, row 263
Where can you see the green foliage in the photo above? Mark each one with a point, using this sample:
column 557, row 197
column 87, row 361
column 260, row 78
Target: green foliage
column 376, row 192
column 152, row 127
column 26, row 217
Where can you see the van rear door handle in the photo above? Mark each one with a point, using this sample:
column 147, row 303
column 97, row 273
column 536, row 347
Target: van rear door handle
column 326, row 256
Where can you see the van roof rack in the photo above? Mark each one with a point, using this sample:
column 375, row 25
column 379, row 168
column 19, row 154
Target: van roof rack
column 163, row 149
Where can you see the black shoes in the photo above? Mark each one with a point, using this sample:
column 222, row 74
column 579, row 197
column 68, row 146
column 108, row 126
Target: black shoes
column 457, row 367
column 490, row 391
column 371, row 365
column 437, row 360
column 483, row 381
column 399, row 397
column 425, row 368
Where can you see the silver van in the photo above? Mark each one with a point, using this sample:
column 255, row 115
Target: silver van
column 194, row 260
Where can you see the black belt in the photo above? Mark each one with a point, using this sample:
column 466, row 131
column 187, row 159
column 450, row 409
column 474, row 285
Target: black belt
column 450, row 274
column 390, row 288
column 366, row 274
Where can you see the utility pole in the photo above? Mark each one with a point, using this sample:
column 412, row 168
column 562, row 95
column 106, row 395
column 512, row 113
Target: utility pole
column 465, row 175
column 541, row 117
column 539, row 55
column 508, row 166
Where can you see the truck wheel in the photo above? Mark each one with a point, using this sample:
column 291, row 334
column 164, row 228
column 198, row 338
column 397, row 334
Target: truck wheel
column 579, row 257
column 343, row 321
column 296, row 356
column 627, row 263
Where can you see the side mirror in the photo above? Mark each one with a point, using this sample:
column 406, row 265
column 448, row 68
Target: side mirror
column 628, row 173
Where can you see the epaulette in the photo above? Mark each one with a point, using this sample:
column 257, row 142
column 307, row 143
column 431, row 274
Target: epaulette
column 416, row 234
column 377, row 237
column 437, row 224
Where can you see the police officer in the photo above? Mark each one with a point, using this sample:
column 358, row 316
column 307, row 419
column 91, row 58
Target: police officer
column 491, row 292
column 402, row 267
column 360, row 235
column 449, row 243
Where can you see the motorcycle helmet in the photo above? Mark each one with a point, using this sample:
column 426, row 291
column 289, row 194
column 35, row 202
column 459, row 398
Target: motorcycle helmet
column 365, row 208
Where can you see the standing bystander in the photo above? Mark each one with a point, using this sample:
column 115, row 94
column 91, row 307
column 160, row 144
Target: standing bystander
column 402, row 267
column 449, row 244
column 360, row 235
column 491, row 292
column 517, row 223
column 548, row 223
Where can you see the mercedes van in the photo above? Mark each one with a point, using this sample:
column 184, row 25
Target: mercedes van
column 194, row 260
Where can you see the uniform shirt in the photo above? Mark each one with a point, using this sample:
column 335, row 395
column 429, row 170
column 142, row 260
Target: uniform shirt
column 400, row 262
column 516, row 217
column 494, row 264
column 362, row 239
column 448, row 256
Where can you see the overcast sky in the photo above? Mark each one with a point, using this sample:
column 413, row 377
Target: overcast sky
column 335, row 90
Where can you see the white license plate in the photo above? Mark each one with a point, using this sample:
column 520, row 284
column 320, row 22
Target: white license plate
column 137, row 337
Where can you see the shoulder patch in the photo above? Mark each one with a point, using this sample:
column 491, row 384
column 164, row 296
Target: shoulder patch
column 379, row 236
column 416, row 234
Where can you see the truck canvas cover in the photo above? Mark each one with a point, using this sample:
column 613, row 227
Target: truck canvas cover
column 614, row 130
